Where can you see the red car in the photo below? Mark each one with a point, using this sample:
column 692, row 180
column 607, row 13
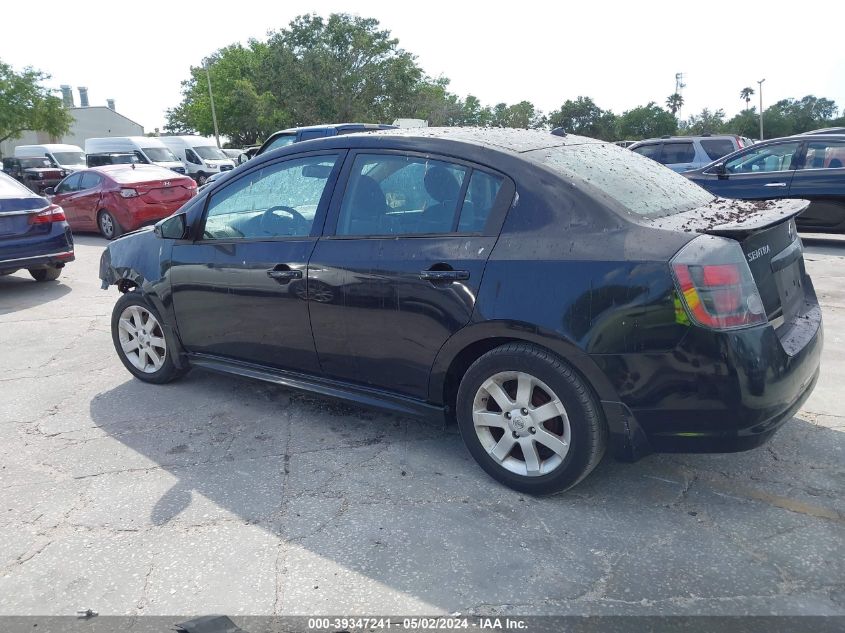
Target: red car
column 113, row 199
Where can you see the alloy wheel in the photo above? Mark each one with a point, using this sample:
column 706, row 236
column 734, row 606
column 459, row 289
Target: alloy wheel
column 521, row 423
column 142, row 339
column 106, row 225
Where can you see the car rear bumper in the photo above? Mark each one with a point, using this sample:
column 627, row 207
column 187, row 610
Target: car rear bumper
column 144, row 214
column 51, row 249
column 719, row 392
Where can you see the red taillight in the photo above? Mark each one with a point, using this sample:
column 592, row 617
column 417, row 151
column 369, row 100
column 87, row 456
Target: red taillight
column 720, row 296
column 53, row 213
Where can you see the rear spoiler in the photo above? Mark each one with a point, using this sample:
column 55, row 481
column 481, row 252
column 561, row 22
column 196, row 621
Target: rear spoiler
column 733, row 218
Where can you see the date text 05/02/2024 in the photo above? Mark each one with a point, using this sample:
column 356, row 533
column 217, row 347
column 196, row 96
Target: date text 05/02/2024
column 417, row 624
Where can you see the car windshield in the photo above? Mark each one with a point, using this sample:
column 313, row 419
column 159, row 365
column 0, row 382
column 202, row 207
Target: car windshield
column 209, row 152
column 29, row 163
column 69, row 158
column 160, row 155
column 641, row 185
column 281, row 141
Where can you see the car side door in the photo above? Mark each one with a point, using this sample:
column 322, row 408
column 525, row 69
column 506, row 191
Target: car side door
column 86, row 201
column 239, row 284
column 63, row 197
column 820, row 178
column 760, row 173
column 397, row 272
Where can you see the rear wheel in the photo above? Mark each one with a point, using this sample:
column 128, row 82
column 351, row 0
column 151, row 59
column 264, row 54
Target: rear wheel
column 109, row 226
column 141, row 341
column 45, row 274
column 529, row 419
column 201, row 178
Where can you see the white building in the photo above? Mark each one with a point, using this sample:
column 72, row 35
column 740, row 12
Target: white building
column 88, row 122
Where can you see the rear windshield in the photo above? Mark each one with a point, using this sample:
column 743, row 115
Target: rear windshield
column 281, row 141
column 15, row 197
column 144, row 173
column 641, row 185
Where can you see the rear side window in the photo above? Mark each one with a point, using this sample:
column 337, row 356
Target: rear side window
column 89, row 180
column 715, row 148
column 674, row 153
column 649, row 151
column 825, row 155
column 407, row 195
column 641, row 186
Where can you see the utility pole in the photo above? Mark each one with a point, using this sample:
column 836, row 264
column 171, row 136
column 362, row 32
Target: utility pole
column 213, row 113
column 760, row 92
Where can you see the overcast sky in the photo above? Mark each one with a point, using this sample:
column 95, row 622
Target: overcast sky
column 621, row 54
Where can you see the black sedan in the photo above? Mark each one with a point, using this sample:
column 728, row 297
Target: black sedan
column 810, row 167
column 34, row 234
column 558, row 296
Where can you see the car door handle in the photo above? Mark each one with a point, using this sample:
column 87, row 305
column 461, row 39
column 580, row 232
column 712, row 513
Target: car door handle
column 283, row 272
column 444, row 275
column 775, row 184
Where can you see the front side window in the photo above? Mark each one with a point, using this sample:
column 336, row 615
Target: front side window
column 283, row 140
column 276, row 201
column 825, row 155
column 191, row 157
column 71, row 183
column 674, row 153
column 141, row 158
column 764, row 159
column 401, row 195
column 35, row 163
column 70, row 158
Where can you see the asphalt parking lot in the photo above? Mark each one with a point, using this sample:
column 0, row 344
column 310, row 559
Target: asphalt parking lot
column 221, row 495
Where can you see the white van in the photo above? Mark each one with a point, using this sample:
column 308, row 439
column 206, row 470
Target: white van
column 69, row 157
column 200, row 156
column 148, row 149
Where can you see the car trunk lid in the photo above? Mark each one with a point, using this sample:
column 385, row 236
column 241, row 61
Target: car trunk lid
column 165, row 191
column 16, row 215
column 765, row 230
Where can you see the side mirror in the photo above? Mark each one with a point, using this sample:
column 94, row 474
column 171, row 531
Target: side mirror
column 172, row 228
column 719, row 169
column 50, row 191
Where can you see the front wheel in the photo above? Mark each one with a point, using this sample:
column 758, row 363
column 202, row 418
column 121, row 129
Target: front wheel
column 141, row 341
column 530, row 420
column 201, row 179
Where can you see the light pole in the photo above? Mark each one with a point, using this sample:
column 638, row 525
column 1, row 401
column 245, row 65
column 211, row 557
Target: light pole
column 760, row 92
column 213, row 113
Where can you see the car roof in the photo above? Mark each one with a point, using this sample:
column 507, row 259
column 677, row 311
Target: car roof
column 512, row 140
column 687, row 138
column 335, row 126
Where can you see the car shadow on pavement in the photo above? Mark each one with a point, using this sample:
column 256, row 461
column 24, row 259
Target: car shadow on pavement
column 400, row 502
column 19, row 291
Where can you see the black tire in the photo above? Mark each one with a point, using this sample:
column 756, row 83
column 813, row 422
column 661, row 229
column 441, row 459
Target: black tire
column 202, row 178
column 587, row 427
column 45, row 274
column 109, row 226
column 168, row 370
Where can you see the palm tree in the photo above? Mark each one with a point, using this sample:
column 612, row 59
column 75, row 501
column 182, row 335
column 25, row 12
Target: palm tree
column 674, row 103
column 745, row 95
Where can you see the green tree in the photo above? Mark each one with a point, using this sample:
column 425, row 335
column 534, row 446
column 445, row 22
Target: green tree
column 745, row 94
column 745, row 123
column 706, row 122
column 26, row 105
column 585, row 118
column 793, row 116
column 646, row 121
column 674, row 102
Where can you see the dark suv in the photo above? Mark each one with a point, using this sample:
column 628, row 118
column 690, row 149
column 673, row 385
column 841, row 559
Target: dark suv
column 34, row 172
column 557, row 295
